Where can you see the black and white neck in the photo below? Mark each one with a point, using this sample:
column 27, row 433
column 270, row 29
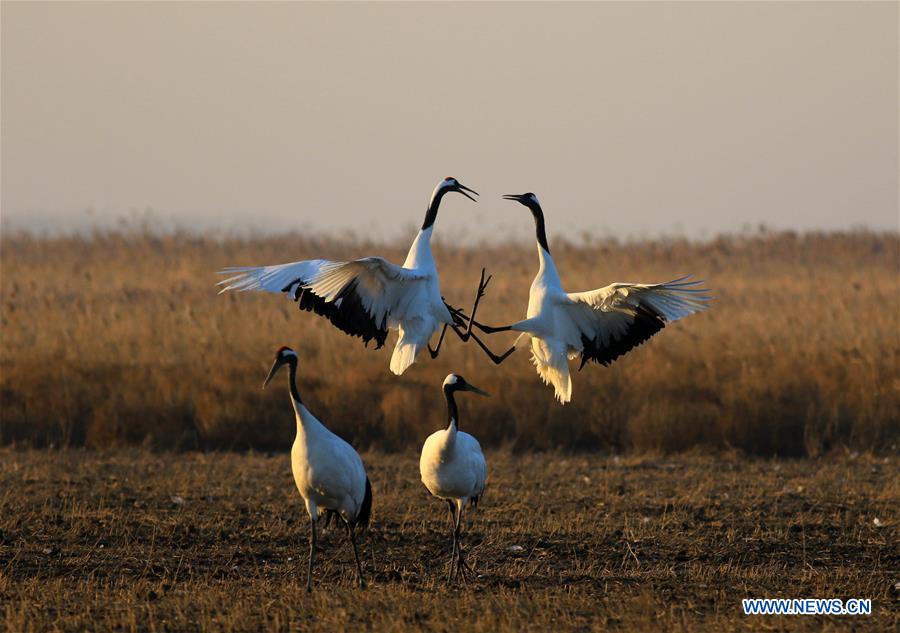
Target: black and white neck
column 450, row 388
column 291, row 360
column 540, row 231
column 435, row 202
column 452, row 409
column 530, row 200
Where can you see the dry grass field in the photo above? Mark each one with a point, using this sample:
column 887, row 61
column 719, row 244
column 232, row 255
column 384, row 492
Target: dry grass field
column 131, row 540
column 749, row 451
column 120, row 339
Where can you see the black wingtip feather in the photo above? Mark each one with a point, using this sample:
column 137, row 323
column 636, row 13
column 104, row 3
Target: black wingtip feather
column 351, row 317
column 646, row 323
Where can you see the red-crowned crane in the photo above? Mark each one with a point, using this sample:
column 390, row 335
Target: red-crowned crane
column 598, row 325
column 367, row 297
column 328, row 472
column 452, row 467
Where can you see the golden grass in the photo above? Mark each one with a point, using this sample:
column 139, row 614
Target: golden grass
column 120, row 338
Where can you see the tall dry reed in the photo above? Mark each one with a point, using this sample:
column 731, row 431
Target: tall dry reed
column 120, row 338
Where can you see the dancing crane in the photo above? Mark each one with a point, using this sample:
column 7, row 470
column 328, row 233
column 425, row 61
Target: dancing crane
column 599, row 325
column 328, row 472
column 366, row 297
column 452, row 467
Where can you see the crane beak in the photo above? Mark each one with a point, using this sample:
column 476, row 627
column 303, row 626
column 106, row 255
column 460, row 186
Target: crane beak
column 463, row 189
column 513, row 196
column 275, row 367
column 475, row 389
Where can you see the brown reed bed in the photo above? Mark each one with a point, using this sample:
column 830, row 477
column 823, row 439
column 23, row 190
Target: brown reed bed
column 120, row 338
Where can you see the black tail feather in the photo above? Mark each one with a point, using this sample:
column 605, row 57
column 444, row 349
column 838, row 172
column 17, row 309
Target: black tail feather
column 365, row 510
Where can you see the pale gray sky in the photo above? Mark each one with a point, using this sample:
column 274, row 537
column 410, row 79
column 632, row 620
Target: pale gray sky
column 628, row 118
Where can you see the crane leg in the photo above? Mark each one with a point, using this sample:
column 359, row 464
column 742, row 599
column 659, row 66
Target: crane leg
column 497, row 359
column 452, row 567
column 482, row 286
column 437, row 350
column 312, row 553
column 462, row 326
column 459, row 320
column 451, row 507
column 462, row 568
column 459, row 316
column 359, row 574
column 464, row 337
column 487, row 329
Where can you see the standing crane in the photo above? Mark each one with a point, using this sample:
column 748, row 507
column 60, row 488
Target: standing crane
column 328, row 472
column 599, row 325
column 367, row 297
column 452, row 467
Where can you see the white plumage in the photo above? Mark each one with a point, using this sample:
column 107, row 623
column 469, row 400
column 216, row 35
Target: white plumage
column 453, row 468
column 369, row 296
column 329, row 473
column 599, row 325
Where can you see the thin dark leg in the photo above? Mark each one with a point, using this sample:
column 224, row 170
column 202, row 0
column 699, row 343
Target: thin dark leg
column 461, row 318
column 465, row 336
column 494, row 357
column 487, row 329
column 482, row 286
column 359, row 574
column 437, row 350
column 452, row 509
column 461, row 567
column 312, row 553
column 459, row 321
column 451, row 568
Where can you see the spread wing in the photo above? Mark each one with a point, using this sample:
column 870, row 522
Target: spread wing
column 613, row 320
column 359, row 297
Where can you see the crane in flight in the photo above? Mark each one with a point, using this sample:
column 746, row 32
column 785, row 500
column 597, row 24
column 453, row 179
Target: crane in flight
column 367, row 297
column 598, row 325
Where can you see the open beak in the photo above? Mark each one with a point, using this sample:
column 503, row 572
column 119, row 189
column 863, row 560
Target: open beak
column 463, row 189
column 275, row 367
column 475, row 389
column 513, row 196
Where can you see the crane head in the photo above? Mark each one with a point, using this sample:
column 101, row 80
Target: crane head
column 528, row 199
column 455, row 382
column 283, row 356
column 452, row 184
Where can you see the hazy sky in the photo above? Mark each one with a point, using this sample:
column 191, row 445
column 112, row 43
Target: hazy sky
column 628, row 118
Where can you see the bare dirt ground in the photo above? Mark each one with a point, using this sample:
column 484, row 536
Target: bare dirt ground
column 134, row 540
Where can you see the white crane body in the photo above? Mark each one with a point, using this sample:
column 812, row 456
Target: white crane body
column 452, row 465
column 453, row 468
column 598, row 325
column 366, row 297
column 328, row 472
